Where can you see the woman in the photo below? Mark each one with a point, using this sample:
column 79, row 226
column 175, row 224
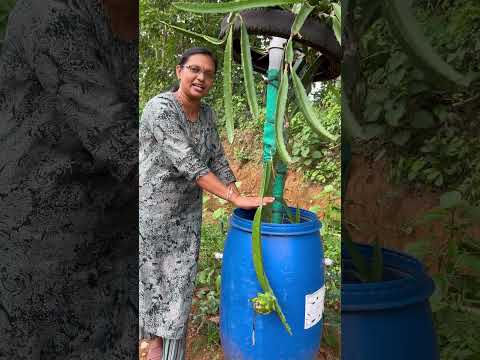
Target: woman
column 180, row 155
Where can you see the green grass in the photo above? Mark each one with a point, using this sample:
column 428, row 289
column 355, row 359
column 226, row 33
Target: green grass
column 212, row 241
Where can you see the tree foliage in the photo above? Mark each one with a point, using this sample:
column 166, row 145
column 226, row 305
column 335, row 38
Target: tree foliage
column 160, row 47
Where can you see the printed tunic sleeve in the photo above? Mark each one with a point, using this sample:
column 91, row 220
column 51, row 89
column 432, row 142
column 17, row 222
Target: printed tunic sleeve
column 164, row 122
column 62, row 46
column 219, row 165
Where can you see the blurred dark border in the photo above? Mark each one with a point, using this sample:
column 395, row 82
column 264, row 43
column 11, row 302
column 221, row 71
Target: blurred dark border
column 69, row 179
column 410, row 173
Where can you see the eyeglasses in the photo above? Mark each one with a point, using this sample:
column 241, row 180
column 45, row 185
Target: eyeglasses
column 194, row 69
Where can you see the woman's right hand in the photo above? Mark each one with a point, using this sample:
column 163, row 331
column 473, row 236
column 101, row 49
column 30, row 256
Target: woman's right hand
column 251, row 202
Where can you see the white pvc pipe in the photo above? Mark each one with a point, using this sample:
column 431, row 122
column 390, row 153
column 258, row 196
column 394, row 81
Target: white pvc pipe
column 275, row 53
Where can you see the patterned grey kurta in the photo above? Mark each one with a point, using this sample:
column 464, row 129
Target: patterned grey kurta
column 68, row 178
column 174, row 152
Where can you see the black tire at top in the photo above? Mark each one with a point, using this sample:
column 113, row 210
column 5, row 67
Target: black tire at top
column 278, row 22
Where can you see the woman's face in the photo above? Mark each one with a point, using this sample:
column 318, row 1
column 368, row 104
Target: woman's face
column 196, row 76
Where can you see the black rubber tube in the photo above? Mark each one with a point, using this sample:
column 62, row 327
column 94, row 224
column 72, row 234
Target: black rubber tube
column 277, row 22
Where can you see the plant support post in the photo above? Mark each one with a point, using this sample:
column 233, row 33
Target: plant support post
column 275, row 53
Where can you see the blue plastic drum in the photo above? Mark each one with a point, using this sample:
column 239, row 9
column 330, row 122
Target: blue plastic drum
column 390, row 319
column 293, row 262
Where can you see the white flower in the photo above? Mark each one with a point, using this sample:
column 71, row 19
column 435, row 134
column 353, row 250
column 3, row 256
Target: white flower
column 328, row 262
column 218, row 256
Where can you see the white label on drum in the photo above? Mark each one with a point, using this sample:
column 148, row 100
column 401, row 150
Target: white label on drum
column 314, row 307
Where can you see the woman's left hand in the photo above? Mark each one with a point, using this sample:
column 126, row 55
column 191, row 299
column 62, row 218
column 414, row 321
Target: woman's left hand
column 251, row 202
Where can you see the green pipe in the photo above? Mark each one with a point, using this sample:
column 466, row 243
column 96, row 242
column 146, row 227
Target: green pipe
column 269, row 148
column 278, row 188
column 269, row 130
column 269, row 126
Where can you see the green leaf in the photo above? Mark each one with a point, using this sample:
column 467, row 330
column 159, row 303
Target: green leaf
column 3, row 19
column 417, row 165
column 279, row 117
column 371, row 131
column 337, row 29
column 315, row 208
column 268, row 171
column 257, row 250
column 451, row 200
column 441, row 112
column 401, row 18
column 432, row 174
column 428, row 148
column 473, row 213
column 232, row 6
column 401, row 137
column 6, row 7
column 307, row 109
column 317, row 154
column 288, row 212
column 397, row 59
column 432, row 215
column 289, row 52
column 441, row 287
column 256, row 237
column 195, row 35
column 378, row 95
column 297, row 214
column 337, row 10
column 358, row 260
column 337, row 21
column 376, row 270
column 373, row 111
column 305, row 10
column 296, row 8
column 248, row 72
column 279, row 311
column 418, row 249
column 306, row 71
column 394, row 113
column 395, row 78
column 422, row 120
column 257, row 246
column 417, row 87
column 452, row 247
column 227, row 86
column 469, row 263
column 350, row 126
column 217, row 214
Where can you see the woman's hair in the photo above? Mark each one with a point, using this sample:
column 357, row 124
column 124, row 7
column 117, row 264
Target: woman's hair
column 194, row 51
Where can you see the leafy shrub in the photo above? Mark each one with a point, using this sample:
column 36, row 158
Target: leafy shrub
column 455, row 303
column 318, row 162
column 207, row 295
column 331, row 236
